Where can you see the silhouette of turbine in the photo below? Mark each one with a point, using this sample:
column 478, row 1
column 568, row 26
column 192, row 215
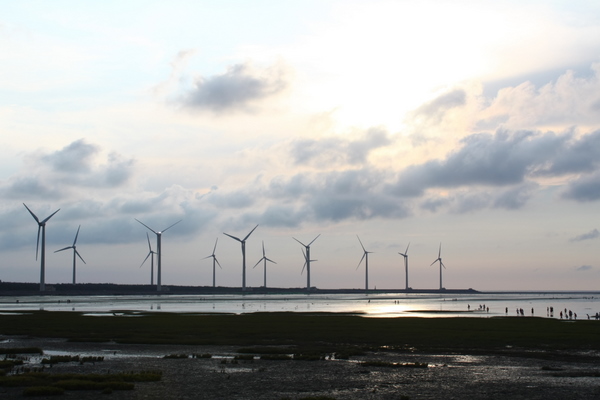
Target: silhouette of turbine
column 366, row 258
column 441, row 265
column 158, row 250
column 151, row 254
column 405, row 255
column 215, row 262
column 42, row 229
column 307, row 260
column 243, row 243
column 75, row 253
column 264, row 259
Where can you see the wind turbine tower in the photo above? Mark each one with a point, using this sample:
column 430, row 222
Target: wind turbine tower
column 366, row 258
column 307, row 260
column 215, row 262
column 151, row 254
column 264, row 259
column 75, row 254
column 158, row 250
column 42, row 229
column 405, row 255
column 441, row 265
column 243, row 243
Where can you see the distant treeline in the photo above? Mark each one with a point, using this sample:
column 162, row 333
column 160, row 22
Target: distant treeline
column 60, row 289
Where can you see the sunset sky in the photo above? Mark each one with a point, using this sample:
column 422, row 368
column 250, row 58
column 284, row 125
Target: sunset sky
column 474, row 124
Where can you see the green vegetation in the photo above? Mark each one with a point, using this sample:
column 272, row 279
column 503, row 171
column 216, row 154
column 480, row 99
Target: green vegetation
column 20, row 350
column 46, row 384
column 393, row 364
column 176, row 356
column 66, row 359
column 331, row 332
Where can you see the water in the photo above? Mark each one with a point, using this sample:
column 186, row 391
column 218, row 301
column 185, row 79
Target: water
column 371, row 305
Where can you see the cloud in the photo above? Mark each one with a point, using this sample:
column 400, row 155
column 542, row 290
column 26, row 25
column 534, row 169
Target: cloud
column 584, row 268
column 515, row 198
column 238, row 89
column 435, row 110
column 502, row 159
column 570, row 100
column 336, row 150
column 593, row 234
column 61, row 173
column 74, row 158
column 586, row 188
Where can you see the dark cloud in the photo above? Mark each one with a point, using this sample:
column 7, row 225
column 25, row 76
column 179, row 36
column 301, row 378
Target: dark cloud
column 436, row 109
column 586, row 188
column 577, row 156
column 593, row 234
column 469, row 202
column 514, row 198
column 237, row 89
column 74, row 158
column 433, row 204
column 336, row 150
column 584, row 268
column 24, row 188
column 501, row 159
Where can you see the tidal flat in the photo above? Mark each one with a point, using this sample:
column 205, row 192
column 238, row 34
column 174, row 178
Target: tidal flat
column 318, row 355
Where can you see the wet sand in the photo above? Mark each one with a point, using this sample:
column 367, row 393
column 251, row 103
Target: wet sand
column 514, row 375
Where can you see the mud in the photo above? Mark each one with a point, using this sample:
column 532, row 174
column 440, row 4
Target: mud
column 448, row 376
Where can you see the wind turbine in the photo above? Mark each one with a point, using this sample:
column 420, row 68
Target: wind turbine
column 151, row 254
column 405, row 255
column 215, row 261
column 366, row 258
column 243, row 242
column 158, row 250
column 264, row 259
column 307, row 259
column 42, row 228
column 441, row 265
column 75, row 253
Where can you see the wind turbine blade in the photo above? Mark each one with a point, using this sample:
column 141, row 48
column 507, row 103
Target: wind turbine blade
column 66, row 248
column 79, row 255
column 208, row 257
column 51, row 215
column 314, row 239
column 233, row 237
column 32, row 214
column 215, row 248
column 149, row 245
column 38, row 242
column 263, row 244
column 76, row 235
column 440, row 252
column 164, row 230
column 149, row 254
column 361, row 245
column 361, row 260
column 299, row 241
column 151, row 230
column 433, row 262
column 248, row 235
column 218, row 263
column 268, row 259
column 442, row 264
column 258, row 262
column 406, row 251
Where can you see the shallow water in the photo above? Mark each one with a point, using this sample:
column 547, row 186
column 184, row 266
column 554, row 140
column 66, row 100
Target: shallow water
column 370, row 305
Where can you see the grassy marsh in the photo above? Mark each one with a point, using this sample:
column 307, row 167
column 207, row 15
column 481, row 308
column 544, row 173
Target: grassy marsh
column 311, row 329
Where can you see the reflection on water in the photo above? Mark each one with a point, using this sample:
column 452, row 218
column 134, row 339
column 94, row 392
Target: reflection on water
column 369, row 305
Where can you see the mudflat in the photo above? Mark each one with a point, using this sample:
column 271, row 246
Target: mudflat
column 257, row 357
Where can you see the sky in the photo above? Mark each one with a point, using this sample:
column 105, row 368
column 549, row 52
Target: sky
column 474, row 125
